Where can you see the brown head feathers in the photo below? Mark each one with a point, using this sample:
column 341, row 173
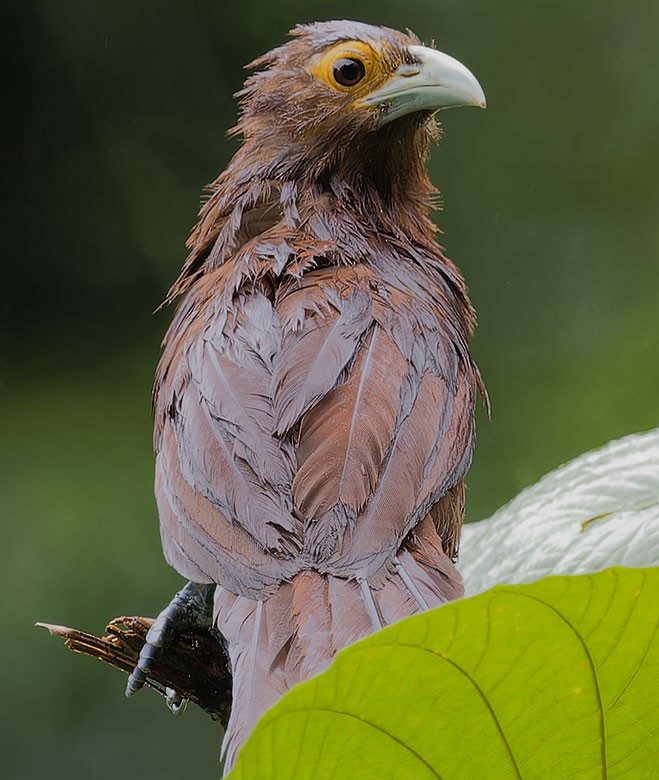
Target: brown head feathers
column 307, row 149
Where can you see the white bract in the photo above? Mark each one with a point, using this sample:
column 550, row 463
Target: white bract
column 599, row 510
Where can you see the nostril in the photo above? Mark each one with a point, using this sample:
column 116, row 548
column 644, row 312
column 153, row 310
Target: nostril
column 406, row 71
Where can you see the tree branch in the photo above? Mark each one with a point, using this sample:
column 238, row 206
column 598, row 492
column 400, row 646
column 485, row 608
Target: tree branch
column 195, row 666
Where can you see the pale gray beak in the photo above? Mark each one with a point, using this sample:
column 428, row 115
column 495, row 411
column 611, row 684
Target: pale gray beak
column 434, row 82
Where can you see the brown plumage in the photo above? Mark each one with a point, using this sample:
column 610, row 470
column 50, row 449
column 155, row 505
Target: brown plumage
column 315, row 398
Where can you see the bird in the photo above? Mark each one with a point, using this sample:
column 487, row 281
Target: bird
column 314, row 403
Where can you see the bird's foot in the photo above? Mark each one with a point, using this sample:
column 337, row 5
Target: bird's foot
column 191, row 607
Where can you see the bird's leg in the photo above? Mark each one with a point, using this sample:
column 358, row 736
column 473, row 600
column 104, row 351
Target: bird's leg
column 191, row 607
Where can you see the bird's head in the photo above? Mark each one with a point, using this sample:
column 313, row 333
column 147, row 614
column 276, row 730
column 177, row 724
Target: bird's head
column 336, row 125
column 347, row 93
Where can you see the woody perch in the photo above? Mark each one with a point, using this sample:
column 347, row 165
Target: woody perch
column 315, row 399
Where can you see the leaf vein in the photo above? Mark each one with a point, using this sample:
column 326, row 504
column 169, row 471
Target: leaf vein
column 478, row 689
column 381, row 729
column 589, row 658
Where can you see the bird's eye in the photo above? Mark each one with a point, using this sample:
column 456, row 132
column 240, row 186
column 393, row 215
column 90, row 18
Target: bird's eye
column 345, row 65
column 348, row 71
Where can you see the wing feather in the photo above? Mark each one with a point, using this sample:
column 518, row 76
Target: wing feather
column 236, row 396
column 382, row 525
column 344, row 439
column 202, row 542
column 321, row 332
column 211, row 465
column 430, row 453
column 215, row 406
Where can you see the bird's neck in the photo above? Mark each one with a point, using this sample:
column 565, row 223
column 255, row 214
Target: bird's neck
column 341, row 197
column 383, row 172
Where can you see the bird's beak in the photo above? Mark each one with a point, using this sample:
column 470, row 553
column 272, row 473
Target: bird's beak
column 433, row 82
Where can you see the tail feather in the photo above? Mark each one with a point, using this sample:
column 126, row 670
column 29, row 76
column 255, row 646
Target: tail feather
column 350, row 616
column 256, row 687
column 294, row 634
column 310, row 618
column 409, row 583
column 371, row 607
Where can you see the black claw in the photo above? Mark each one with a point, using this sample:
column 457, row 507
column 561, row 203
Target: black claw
column 191, row 607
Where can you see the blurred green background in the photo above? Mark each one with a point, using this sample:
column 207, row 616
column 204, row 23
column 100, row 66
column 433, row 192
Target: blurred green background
column 115, row 116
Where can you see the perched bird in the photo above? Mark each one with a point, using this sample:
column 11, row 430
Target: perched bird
column 315, row 399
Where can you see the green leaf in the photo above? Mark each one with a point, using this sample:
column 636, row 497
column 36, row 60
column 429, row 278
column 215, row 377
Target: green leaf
column 557, row 679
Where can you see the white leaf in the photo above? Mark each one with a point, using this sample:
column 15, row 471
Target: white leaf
column 599, row 510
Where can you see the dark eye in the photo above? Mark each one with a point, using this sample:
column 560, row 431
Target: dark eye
column 348, row 71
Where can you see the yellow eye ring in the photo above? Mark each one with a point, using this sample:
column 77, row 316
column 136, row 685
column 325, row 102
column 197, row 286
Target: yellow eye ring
column 346, row 67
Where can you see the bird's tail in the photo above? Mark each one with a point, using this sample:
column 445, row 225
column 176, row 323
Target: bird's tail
column 295, row 633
